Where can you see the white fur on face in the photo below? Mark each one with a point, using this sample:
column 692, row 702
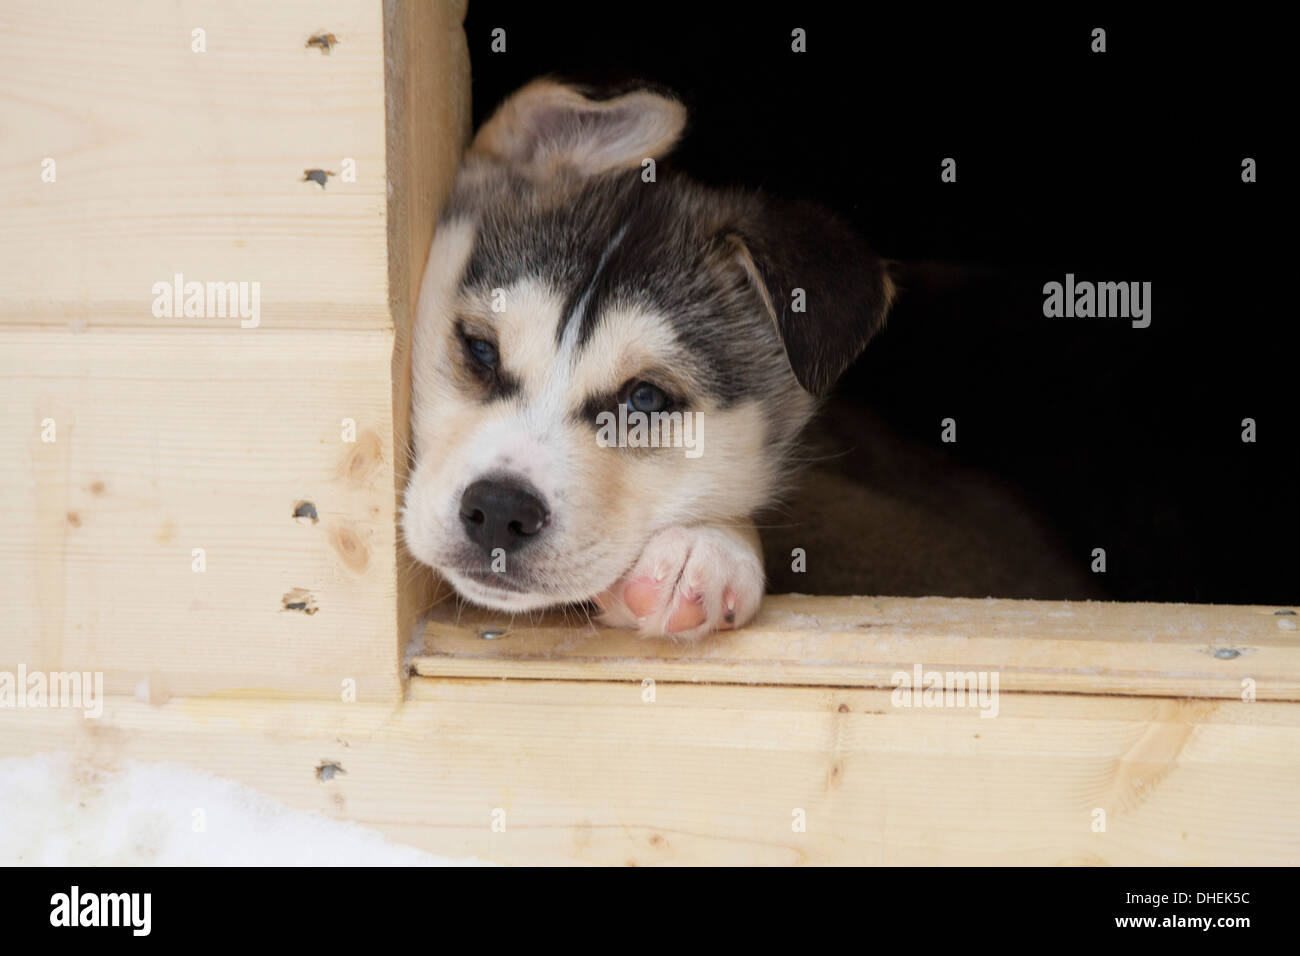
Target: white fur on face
column 605, row 503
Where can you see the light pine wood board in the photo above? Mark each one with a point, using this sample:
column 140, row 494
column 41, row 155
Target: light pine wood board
column 593, row 773
column 168, row 443
column 172, row 161
column 428, row 125
column 1176, row 650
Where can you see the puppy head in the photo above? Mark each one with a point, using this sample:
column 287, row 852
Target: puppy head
column 566, row 287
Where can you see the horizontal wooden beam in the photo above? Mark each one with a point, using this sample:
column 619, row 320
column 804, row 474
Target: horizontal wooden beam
column 1165, row 650
column 175, row 137
column 594, row 772
column 147, row 524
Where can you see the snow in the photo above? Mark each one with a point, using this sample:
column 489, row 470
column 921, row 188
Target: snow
column 55, row 810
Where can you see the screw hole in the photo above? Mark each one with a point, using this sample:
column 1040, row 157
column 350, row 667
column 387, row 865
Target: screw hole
column 323, row 41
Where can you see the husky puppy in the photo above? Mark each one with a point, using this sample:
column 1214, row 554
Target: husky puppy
column 571, row 282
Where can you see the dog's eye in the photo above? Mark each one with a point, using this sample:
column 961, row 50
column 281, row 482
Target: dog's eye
column 484, row 352
column 648, row 398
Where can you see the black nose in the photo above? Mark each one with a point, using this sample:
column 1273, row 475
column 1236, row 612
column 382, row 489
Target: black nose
column 501, row 514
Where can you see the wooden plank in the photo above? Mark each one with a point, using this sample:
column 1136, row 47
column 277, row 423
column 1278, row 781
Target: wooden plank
column 1174, row 650
column 204, row 431
column 428, row 125
column 593, row 773
column 173, row 161
column 167, row 443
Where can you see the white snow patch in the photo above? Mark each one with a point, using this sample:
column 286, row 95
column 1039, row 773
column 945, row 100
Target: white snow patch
column 56, row 811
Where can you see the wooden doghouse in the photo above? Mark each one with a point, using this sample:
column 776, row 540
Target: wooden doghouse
column 194, row 497
column 200, row 504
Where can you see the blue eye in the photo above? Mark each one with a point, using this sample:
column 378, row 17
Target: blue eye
column 483, row 351
column 647, row 398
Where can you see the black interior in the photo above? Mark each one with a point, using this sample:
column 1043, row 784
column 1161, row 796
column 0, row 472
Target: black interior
column 1120, row 166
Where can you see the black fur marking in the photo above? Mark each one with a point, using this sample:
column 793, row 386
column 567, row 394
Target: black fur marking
column 676, row 255
column 846, row 291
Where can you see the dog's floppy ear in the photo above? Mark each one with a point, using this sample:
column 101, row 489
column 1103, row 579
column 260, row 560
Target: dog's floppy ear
column 827, row 292
column 547, row 126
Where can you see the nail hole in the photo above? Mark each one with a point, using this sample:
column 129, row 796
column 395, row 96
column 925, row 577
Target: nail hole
column 320, row 176
column 300, row 599
column 305, row 509
column 327, row 770
column 322, row 41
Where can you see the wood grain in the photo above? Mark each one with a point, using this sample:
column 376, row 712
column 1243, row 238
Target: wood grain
column 1175, row 650
column 167, row 443
column 177, row 433
column 592, row 773
column 427, row 78
column 171, row 161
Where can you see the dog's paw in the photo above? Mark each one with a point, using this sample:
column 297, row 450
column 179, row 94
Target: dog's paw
column 688, row 582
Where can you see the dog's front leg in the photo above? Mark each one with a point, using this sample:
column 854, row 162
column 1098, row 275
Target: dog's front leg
column 689, row 581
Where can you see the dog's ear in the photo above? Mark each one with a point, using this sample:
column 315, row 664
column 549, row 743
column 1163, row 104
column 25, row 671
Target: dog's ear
column 548, row 126
column 826, row 291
